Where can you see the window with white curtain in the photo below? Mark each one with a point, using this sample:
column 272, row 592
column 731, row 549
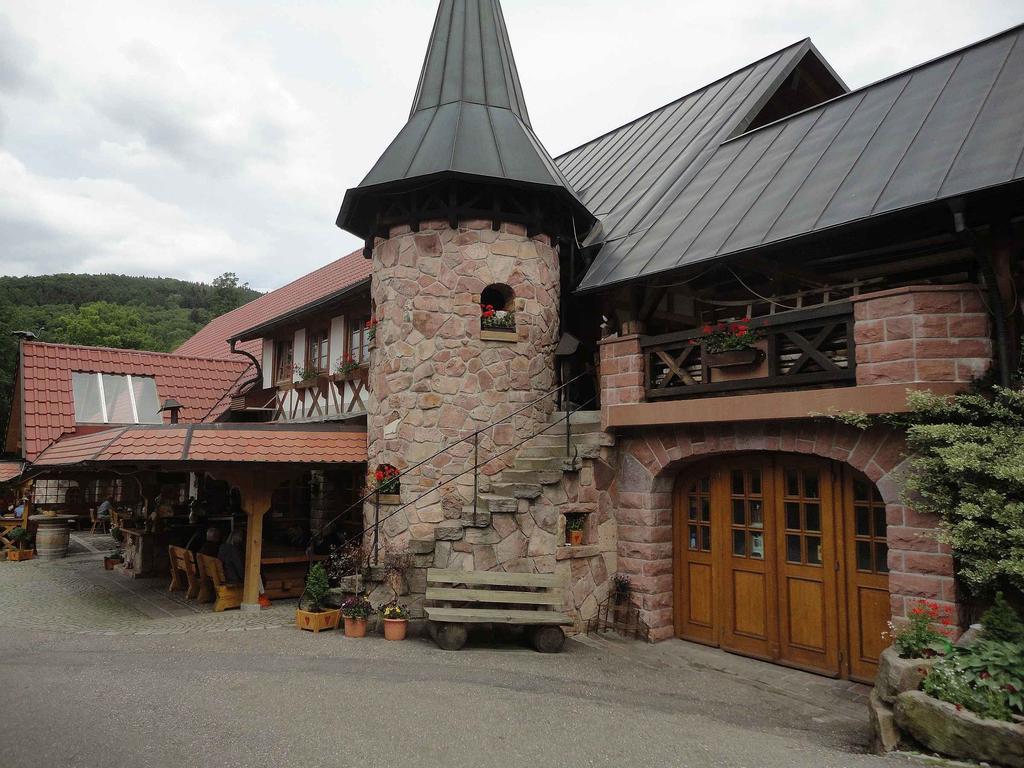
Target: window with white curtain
column 108, row 398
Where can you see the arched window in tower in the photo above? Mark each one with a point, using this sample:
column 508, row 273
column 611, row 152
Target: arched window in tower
column 497, row 308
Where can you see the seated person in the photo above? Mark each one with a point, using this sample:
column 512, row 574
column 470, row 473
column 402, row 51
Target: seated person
column 103, row 510
column 19, row 511
column 232, row 555
column 205, row 542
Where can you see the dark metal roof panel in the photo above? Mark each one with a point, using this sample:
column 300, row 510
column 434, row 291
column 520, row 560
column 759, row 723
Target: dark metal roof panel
column 947, row 127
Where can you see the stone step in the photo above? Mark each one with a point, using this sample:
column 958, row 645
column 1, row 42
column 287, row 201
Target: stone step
column 578, row 417
column 540, row 463
column 499, row 504
column 557, row 453
column 531, row 476
column 517, row 490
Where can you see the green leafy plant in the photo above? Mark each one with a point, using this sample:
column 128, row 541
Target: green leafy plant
column 918, row 639
column 986, row 678
column 117, row 534
column 727, row 337
column 575, row 522
column 356, row 607
column 621, row 584
column 317, row 586
column 393, row 610
column 307, row 373
column 496, row 318
column 19, row 536
column 1001, row 622
column 346, row 365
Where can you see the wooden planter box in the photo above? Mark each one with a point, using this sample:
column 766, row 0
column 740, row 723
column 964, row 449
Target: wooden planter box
column 362, row 372
column 499, row 334
column 310, row 383
column 18, row 555
column 734, row 358
column 314, row 622
column 738, row 363
column 389, row 498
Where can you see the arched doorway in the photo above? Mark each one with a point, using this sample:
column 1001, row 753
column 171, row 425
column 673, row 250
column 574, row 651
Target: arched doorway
column 783, row 558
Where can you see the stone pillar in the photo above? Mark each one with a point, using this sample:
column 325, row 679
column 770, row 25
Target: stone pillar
column 622, row 373
column 923, row 333
column 435, row 380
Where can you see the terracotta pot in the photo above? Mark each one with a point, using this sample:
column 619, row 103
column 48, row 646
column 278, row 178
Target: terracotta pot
column 395, row 629
column 576, row 538
column 110, row 562
column 355, row 627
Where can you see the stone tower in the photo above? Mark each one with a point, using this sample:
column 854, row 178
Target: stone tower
column 464, row 208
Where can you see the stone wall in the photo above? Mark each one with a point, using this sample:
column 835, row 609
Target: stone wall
column 622, row 373
column 921, row 333
column 435, row 380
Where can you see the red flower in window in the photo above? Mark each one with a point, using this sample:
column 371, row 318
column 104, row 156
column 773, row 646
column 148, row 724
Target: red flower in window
column 379, row 475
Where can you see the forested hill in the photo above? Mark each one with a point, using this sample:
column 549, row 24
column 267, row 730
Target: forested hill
column 154, row 313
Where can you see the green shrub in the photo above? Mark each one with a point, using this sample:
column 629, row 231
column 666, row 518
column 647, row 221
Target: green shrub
column 1001, row 622
column 317, row 585
column 987, row 679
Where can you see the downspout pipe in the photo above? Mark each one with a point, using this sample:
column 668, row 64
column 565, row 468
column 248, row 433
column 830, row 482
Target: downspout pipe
column 983, row 254
column 258, row 379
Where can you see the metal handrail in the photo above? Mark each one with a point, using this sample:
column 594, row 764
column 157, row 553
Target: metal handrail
column 474, row 436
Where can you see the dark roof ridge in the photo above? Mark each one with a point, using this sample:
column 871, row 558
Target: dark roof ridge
column 880, row 81
column 687, row 95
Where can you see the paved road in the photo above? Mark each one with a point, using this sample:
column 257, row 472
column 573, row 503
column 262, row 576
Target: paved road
column 208, row 690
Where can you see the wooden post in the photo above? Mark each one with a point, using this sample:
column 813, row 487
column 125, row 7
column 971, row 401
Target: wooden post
column 256, row 489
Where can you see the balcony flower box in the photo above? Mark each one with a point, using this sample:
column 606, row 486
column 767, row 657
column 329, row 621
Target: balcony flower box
column 312, row 383
column 734, row 358
column 360, row 372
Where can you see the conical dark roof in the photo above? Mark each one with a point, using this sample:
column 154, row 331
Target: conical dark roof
column 468, row 120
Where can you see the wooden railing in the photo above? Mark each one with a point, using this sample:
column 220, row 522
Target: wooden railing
column 800, row 348
column 327, row 398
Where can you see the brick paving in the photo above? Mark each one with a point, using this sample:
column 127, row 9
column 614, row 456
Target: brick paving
column 76, row 595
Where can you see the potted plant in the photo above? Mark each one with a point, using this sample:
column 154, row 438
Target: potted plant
column 396, row 620
column 620, row 596
column 308, row 377
column 574, row 525
column 916, row 646
column 728, row 345
column 112, row 559
column 386, row 482
column 347, row 367
column 311, row 615
column 356, row 610
column 20, row 536
column 371, row 330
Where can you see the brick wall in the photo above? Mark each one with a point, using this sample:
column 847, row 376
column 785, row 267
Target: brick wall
column 622, row 373
column 921, row 334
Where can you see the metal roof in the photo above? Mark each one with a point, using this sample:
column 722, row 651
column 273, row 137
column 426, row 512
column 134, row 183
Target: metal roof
column 468, row 117
column 942, row 129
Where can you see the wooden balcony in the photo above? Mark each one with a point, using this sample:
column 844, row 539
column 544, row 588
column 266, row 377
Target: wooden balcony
column 328, row 398
column 801, row 348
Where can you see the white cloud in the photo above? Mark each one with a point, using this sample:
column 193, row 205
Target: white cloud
column 189, row 137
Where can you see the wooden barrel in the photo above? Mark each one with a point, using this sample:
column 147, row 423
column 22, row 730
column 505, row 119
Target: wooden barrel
column 52, row 539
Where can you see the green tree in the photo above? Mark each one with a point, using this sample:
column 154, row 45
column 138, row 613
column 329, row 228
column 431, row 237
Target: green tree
column 102, row 324
column 227, row 293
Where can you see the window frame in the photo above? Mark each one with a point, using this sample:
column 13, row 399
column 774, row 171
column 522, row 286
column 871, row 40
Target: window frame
column 101, row 389
column 288, row 376
column 323, row 336
column 358, row 322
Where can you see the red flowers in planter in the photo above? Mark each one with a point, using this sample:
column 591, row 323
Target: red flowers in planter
column 487, row 311
column 385, row 479
column 724, row 337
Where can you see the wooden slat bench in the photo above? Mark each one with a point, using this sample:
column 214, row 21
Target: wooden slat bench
column 228, row 595
column 531, row 600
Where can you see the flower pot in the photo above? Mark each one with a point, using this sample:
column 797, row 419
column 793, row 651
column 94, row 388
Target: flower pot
column 897, row 675
column 733, row 358
column 314, row 621
column 355, row 626
column 110, row 562
column 395, row 629
column 576, row 538
column 18, row 555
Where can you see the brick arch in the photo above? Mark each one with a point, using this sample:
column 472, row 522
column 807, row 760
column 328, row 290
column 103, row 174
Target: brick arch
column 649, row 463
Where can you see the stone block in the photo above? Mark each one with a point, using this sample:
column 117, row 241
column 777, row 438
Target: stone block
column 885, row 735
column 896, row 675
column 941, row 727
column 449, row 532
column 421, row 546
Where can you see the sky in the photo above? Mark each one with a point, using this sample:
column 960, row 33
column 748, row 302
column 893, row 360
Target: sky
column 187, row 139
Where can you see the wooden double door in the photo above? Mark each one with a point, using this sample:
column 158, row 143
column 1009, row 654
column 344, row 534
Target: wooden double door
column 783, row 558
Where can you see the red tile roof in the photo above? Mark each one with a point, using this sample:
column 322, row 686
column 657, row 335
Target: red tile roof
column 10, row 470
column 199, row 384
column 221, row 443
column 212, row 341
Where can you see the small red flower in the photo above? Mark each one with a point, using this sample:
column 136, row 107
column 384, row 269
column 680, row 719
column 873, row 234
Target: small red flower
column 379, row 475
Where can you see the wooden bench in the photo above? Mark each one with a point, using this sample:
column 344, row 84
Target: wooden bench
column 184, row 566
column 531, row 600
column 228, row 595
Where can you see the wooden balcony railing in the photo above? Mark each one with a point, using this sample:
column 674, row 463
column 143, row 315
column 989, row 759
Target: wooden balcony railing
column 328, row 398
column 800, row 348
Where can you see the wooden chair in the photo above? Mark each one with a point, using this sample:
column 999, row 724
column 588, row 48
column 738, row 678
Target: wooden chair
column 531, row 600
column 228, row 595
column 178, row 557
column 103, row 523
column 206, row 592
